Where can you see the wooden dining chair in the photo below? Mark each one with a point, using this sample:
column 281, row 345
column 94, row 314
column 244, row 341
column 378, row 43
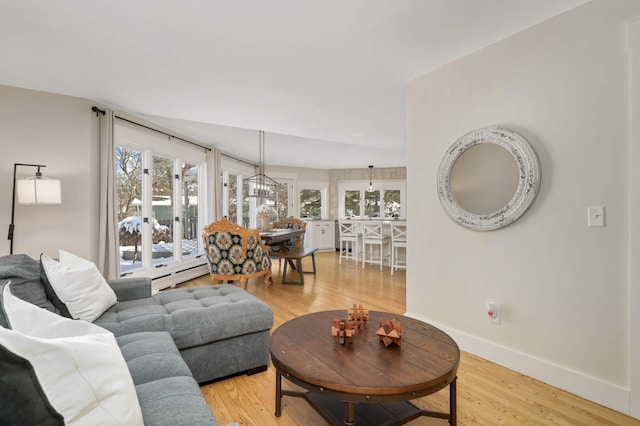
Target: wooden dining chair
column 291, row 244
column 292, row 223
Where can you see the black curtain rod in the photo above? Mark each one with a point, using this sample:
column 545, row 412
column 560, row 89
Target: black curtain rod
column 206, row 148
column 99, row 111
column 239, row 160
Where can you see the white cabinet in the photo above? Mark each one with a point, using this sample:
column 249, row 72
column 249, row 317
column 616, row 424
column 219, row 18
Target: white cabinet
column 320, row 234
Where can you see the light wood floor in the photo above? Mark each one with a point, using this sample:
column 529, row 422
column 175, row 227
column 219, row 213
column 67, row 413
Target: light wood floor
column 487, row 393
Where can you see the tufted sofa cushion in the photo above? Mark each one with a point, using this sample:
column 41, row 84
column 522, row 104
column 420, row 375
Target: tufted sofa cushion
column 193, row 316
column 166, row 390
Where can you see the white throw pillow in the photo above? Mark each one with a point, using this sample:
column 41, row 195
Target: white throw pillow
column 79, row 285
column 78, row 364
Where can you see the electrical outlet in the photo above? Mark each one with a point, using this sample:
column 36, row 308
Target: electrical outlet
column 492, row 312
column 595, row 216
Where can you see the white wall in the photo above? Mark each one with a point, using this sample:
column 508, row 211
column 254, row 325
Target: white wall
column 562, row 288
column 60, row 132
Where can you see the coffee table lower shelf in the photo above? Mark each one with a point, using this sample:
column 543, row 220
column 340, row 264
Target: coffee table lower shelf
column 333, row 410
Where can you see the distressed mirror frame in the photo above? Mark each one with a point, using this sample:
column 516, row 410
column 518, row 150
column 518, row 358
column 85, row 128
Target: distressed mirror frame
column 528, row 182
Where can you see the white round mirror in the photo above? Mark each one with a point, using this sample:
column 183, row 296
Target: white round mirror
column 488, row 178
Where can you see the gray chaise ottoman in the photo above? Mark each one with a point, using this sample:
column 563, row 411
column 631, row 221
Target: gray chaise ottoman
column 220, row 330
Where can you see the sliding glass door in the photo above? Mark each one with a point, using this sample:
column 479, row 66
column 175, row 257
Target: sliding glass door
column 160, row 193
column 235, row 206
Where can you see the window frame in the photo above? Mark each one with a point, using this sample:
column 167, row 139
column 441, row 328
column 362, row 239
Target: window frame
column 241, row 170
column 379, row 185
column 324, row 200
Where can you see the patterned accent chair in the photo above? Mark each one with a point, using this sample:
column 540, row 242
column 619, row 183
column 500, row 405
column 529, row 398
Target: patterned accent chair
column 290, row 223
column 235, row 253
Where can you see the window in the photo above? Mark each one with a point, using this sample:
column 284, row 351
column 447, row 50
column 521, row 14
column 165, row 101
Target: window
column 162, row 206
column 244, row 212
column 386, row 201
column 372, row 203
column 129, row 202
column 312, row 200
column 232, row 205
column 392, row 203
column 189, row 209
column 310, row 203
column 282, row 198
column 351, row 203
column 235, row 206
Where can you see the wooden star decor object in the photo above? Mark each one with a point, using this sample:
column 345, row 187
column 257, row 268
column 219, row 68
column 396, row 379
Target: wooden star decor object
column 358, row 316
column 343, row 331
column 390, row 331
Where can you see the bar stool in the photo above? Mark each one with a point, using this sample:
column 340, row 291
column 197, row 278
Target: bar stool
column 372, row 236
column 398, row 240
column 349, row 240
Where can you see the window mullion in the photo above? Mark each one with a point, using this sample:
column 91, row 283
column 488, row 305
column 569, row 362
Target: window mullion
column 178, row 208
column 147, row 209
column 239, row 198
column 225, row 193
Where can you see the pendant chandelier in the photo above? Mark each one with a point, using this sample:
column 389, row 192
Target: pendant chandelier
column 371, row 195
column 260, row 185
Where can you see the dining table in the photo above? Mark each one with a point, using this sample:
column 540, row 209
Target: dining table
column 278, row 237
column 274, row 237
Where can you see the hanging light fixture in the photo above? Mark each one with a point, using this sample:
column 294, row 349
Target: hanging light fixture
column 260, row 185
column 370, row 190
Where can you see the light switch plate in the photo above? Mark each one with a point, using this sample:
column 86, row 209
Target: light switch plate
column 595, row 216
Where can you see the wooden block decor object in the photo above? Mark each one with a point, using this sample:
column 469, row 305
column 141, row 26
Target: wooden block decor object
column 358, row 316
column 343, row 331
column 390, row 331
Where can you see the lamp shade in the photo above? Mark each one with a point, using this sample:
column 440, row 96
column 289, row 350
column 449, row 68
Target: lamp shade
column 38, row 190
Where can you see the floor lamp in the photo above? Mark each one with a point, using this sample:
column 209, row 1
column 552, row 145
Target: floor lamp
column 33, row 190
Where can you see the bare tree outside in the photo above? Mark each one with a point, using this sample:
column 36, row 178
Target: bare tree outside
column 128, row 181
column 310, row 203
column 372, row 203
column 352, row 203
column 282, row 201
column 392, row 203
column 233, row 198
column 189, row 212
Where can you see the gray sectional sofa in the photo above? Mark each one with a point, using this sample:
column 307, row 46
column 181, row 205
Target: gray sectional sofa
column 171, row 341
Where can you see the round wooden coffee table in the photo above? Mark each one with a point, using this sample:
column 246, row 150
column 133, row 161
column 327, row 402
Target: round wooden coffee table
column 341, row 377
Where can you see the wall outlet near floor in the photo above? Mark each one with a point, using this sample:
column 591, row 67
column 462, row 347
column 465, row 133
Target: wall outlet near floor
column 595, row 216
column 492, row 313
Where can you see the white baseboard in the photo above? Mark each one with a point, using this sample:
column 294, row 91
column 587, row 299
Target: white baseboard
column 171, row 277
column 599, row 391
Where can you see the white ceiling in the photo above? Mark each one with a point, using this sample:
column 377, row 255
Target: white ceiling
column 324, row 79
